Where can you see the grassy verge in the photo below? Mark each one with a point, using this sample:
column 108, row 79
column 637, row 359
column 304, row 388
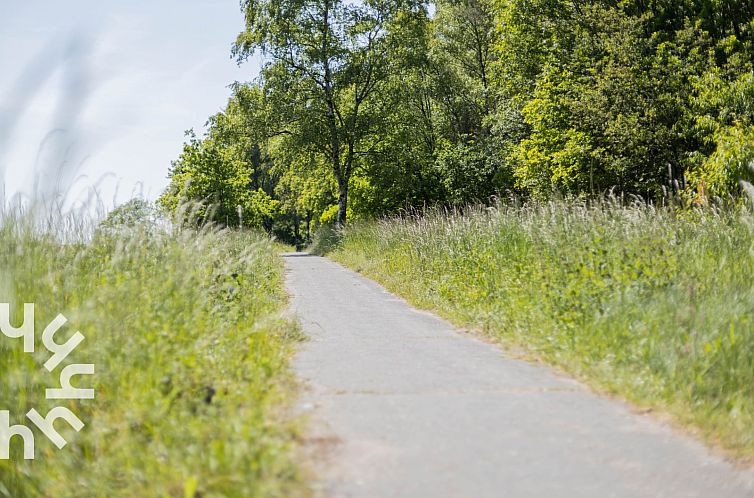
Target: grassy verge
column 191, row 359
column 654, row 306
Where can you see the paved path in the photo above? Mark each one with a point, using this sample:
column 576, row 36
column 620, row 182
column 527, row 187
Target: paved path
column 405, row 406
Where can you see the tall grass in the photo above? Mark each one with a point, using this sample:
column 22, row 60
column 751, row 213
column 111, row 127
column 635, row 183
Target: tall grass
column 645, row 302
column 190, row 355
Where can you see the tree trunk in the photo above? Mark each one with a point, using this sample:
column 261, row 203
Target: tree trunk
column 296, row 231
column 308, row 227
column 342, row 201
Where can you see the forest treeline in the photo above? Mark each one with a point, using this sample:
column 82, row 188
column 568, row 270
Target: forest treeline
column 366, row 108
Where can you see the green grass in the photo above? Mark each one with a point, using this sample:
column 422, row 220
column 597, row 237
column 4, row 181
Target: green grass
column 650, row 304
column 191, row 356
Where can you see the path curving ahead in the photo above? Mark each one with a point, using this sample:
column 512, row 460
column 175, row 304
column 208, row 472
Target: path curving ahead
column 403, row 405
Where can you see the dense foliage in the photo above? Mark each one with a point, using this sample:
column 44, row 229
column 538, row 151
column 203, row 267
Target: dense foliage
column 644, row 302
column 367, row 108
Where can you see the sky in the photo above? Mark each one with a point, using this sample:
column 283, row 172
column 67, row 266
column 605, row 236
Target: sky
column 99, row 93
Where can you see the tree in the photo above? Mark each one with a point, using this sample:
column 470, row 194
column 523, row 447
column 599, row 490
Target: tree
column 605, row 90
column 366, row 108
column 463, row 53
column 724, row 105
column 226, row 172
column 133, row 214
column 326, row 61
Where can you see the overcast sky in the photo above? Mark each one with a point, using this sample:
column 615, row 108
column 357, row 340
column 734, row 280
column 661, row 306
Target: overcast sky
column 104, row 90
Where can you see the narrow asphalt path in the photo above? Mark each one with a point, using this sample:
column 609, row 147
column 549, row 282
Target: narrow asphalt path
column 403, row 405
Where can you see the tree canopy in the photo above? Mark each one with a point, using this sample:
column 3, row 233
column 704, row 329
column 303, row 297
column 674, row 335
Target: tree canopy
column 366, row 108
